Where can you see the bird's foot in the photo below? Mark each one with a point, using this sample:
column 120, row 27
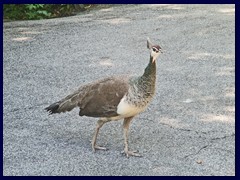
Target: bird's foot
column 96, row 147
column 131, row 153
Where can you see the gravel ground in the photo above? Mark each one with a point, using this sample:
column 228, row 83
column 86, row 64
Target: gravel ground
column 189, row 128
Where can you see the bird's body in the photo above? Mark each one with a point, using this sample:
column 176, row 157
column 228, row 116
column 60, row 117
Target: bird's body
column 113, row 98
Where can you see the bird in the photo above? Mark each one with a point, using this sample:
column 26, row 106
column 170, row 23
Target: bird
column 114, row 98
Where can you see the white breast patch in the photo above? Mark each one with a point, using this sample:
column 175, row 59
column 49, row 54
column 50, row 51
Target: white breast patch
column 125, row 109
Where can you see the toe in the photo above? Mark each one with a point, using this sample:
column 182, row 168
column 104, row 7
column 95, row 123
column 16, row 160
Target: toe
column 132, row 153
column 99, row 148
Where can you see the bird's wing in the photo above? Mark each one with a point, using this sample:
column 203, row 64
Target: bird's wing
column 100, row 99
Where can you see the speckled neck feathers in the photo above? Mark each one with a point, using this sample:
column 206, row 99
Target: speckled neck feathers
column 147, row 80
column 150, row 70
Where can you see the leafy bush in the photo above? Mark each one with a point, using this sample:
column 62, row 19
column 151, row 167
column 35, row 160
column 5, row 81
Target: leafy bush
column 40, row 11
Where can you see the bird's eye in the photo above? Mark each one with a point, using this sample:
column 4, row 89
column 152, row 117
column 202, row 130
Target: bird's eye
column 155, row 50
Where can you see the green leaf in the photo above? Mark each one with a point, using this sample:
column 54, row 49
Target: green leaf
column 30, row 6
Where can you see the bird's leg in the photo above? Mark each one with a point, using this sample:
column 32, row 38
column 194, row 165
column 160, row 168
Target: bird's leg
column 126, row 124
column 100, row 123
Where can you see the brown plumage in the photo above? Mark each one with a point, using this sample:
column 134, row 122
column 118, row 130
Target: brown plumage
column 108, row 92
column 113, row 98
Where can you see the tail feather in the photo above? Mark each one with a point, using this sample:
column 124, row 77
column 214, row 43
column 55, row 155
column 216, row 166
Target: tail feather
column 66, row 104
column 53, row 108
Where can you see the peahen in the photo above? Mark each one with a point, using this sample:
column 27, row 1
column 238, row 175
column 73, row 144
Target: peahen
column 114, row 98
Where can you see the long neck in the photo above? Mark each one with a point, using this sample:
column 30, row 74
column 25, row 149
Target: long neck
column 146, row 82
column 150, row 70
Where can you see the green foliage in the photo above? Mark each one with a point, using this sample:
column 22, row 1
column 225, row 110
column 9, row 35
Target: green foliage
column 12, row 11
column 41, row 11
column 36, row 11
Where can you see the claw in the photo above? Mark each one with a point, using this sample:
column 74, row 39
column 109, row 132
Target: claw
column 131, row 153
column 96, row 147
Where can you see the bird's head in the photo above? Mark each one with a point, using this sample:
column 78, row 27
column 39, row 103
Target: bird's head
column 155, row 50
